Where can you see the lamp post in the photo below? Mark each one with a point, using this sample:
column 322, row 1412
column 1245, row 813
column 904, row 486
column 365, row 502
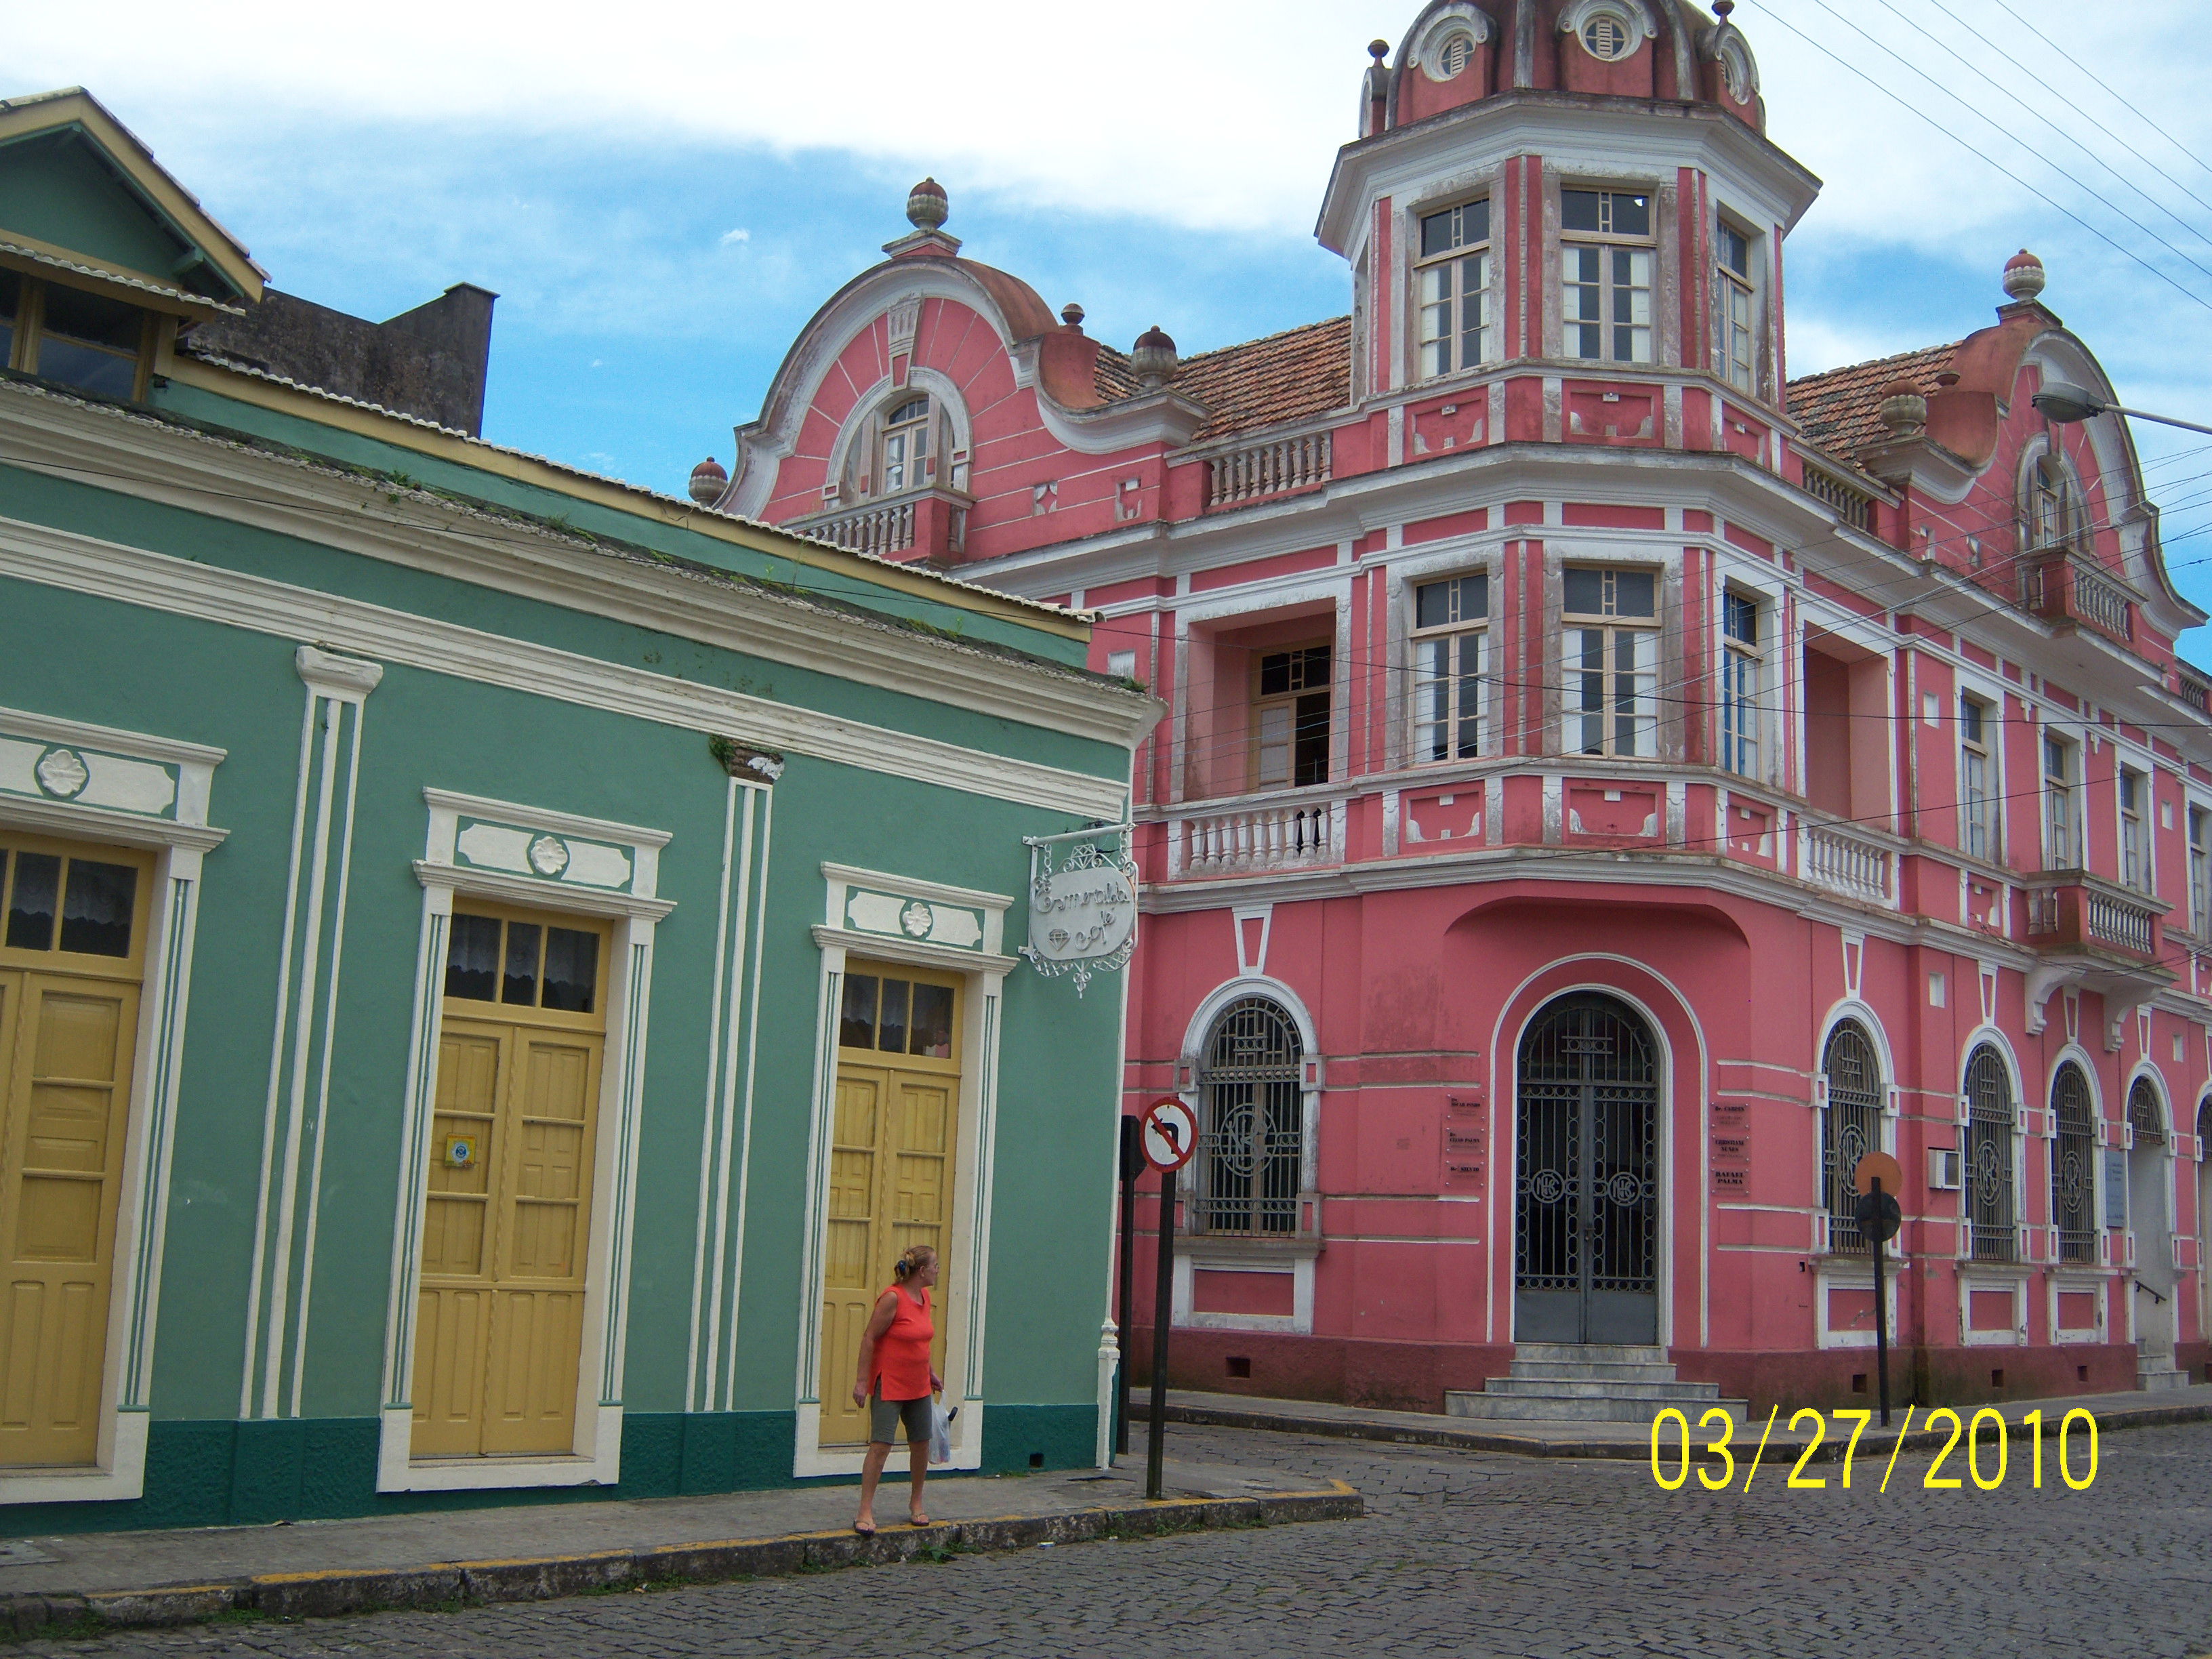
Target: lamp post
column 2069, row 403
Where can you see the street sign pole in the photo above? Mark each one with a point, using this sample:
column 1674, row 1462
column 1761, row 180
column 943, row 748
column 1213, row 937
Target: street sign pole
column 1881, row 1311
column 1133, row 1165
column 1163, row 1313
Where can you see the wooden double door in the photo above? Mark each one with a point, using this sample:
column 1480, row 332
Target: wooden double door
column 507, row 1212
column 72, row 947
column 894, row 1132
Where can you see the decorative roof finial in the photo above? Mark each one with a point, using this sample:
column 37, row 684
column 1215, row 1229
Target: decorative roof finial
column 1153, row 361
column 926, row 206
column 1071, row 314
column 1723, row 8
column 1379, row 49
column 708, row 481
column 2024, row 275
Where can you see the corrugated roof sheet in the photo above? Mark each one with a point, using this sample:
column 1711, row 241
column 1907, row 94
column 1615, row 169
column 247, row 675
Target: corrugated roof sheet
column 1840, row 409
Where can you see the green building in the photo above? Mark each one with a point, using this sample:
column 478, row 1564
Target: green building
column 496, row 962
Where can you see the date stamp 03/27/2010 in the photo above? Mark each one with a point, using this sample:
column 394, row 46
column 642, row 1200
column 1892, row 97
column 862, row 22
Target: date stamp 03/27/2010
column 1987, row 1460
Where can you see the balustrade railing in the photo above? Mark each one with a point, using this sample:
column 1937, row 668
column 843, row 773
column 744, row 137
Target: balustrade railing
column 2195, row 690
column 1844, row 861
column 2071, row 909
column 2062, row 585
column 1284, row 836
column 1854, row 507
column 1268, row 469
column 2112, row 920
column 882, row 530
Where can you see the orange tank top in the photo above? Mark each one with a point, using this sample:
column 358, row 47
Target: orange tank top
column 903, row 1350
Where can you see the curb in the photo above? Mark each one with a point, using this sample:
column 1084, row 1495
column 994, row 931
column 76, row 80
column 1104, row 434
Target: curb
column 1829, row 1450
column 331, row 1593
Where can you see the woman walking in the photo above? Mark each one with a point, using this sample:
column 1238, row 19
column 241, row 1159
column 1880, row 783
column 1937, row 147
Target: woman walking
column 895, row 1381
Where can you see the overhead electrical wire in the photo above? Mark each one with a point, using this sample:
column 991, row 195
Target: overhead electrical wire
column 2041, row 194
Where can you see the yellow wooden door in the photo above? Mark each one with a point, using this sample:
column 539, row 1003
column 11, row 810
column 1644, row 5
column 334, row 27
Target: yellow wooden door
column 499, row 1328
column 70, row 958
column 893, row 1131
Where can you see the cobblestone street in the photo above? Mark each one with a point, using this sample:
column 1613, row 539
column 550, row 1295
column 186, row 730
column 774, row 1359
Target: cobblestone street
column 1462, row 1553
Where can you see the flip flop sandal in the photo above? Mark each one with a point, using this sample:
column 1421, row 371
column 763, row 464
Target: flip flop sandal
column 864, row 1532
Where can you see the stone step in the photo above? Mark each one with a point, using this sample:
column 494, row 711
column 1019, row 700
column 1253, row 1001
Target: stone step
column 2154, row 1382
column 1553, row 1408
column 1596, row 1353
column 1583, row 1370
column 1667, row 1392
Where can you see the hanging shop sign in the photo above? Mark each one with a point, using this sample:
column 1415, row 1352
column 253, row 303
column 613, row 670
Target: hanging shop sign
column 1082, row 904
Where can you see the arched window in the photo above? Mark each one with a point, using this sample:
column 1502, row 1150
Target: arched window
column 2143, row 1114
column 1251, row 1123
column 2074, row 1166
column 2051, row 503
column 1851, row 1126
column 1991, row 1211
column 903, row 457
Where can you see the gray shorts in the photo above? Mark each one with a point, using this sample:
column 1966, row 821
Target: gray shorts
column 885, row 1415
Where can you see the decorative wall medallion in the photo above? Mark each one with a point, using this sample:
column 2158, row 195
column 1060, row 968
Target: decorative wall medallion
column 62, row 774
column 549, row 855
column 867, row 911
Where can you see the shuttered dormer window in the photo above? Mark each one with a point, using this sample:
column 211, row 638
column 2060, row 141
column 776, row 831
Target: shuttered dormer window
column 906, row 446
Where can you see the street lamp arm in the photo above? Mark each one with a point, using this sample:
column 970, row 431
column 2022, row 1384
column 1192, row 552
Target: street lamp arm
column 2069, row 403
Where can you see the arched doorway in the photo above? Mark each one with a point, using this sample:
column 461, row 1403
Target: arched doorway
column 2150, row 1220
column 1586, row 1223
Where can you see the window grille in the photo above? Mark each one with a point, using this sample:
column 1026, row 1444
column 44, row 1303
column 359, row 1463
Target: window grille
column 1991, row 1214
column 1851, row 1127
column 2143, row 1114
column 2074, row 1166
column 1251, row 1123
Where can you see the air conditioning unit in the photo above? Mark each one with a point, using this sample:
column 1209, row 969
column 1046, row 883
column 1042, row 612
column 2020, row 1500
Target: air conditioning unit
column 1945, row 1173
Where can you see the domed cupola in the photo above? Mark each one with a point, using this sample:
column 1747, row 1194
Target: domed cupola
column 1462, row 51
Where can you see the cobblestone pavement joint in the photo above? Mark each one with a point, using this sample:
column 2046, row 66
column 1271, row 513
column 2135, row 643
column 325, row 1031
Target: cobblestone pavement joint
column 1460, row 1552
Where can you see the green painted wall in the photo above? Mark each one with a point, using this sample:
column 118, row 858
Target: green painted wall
column 138, row 668
column 59, row 191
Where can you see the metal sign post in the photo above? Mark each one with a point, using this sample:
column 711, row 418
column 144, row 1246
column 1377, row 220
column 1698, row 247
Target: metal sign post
column 1170, row 1136
column 1133, row 1165
column 1878, row 1216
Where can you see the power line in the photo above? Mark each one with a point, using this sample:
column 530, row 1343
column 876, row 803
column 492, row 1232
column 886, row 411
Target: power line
column 2041, row 195
column 2186, row 153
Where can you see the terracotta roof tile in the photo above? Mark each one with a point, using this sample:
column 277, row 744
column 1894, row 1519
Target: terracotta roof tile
column 1840, row 411
column 1302, row 371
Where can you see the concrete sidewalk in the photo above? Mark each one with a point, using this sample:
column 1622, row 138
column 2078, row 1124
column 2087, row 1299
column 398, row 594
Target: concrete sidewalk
column 1633, row 1440
column 84, row 1581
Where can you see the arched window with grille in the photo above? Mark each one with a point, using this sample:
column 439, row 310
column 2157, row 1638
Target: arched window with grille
column 2144, row 1116
column 1851, row 1126
column 1992, row 1214
column 2074, row 1165
column 1251, row 1123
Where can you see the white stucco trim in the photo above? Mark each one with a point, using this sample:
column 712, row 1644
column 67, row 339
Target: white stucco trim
column 180, row 841
column 595, row 1457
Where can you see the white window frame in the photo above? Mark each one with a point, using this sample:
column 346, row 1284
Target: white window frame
column 1457, row 636
column 1449, row 266
column 916, row 467
column 2135, row 861
column 1613, row 629
column 1742, row 707
column 1609, row 246
column 1989, row 750
column 2060, row 796
column 1736, row 314
column 2195, row 817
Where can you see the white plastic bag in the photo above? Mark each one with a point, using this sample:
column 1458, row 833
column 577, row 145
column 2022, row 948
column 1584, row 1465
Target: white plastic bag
column 941, row 1431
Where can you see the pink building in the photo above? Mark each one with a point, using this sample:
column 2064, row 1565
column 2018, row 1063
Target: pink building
column 1608, row 787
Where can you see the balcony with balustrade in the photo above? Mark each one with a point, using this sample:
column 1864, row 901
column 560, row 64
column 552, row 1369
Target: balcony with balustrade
column 919, row 526
column 2067, row 588
column 1295, row 830
column 2073, row 912
column 1849, row 859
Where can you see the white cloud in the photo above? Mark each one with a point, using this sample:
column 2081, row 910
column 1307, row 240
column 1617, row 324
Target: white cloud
column 734, row 238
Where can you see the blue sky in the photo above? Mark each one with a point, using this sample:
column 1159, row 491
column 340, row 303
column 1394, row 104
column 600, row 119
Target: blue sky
column 661, row 207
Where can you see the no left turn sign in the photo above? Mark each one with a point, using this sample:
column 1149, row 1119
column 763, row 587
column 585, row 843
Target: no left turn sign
column 1170, row 1133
